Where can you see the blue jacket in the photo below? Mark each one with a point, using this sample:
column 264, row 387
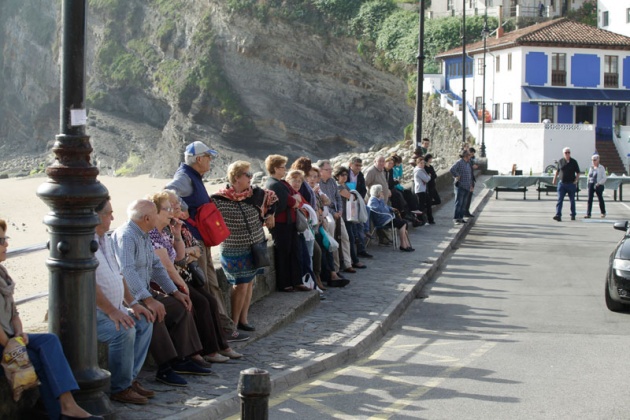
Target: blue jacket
column 377, row 205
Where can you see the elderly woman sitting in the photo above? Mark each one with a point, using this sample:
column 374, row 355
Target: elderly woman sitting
column 383, row 214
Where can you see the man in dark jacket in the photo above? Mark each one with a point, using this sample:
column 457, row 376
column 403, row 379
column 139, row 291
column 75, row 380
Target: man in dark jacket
column 356, row 176
column 569, row 173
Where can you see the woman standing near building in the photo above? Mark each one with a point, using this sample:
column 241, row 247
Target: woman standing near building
column 596, row 180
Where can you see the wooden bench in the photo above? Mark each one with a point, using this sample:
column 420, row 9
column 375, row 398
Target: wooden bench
column 547, row 188
column 509, row 189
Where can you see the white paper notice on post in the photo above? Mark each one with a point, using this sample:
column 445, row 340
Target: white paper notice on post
column 78, row 117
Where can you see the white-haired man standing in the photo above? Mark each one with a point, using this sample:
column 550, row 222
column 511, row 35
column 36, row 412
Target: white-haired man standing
column 569, row 174
column 188, row 184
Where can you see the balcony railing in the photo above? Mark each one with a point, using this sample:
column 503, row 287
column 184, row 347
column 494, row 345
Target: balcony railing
column 611, row 80
column 558, row 78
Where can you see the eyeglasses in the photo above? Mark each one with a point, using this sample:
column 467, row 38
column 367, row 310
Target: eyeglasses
column 3, row 241
column 167, row 209
column 567, row 153
column 248, row 174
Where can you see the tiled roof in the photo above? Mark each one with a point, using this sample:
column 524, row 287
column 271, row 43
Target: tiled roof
column 559, row 32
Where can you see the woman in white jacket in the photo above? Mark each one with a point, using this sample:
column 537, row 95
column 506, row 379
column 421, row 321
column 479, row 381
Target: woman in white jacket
column 596, row 180
column 421, row 178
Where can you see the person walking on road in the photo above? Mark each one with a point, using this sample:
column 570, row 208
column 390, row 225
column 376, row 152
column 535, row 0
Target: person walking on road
column 569, row 174
column 596, row 180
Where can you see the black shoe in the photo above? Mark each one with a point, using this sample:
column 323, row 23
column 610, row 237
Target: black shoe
column 364, row 254
column 233, row 336
column 338, row 283
column 431, row 222
column 572, row 217
column 169, row 377
column 460, row 221
column 558, row 218
column 469, row 215
column 188, row 367
column 246, row 327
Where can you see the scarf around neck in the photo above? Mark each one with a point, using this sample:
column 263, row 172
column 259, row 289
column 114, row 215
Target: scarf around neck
column 7, row 287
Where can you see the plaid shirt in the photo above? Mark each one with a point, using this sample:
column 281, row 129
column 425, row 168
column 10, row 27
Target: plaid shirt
column 138, row 263
column 463, row 170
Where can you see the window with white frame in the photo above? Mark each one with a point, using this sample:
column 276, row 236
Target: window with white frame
column 558, row 69
column 507, row 111
column 509, row 63
column 611, row 71
column 547, row 113
column 480, row 66
column 628, row 15
column 605, row 18
column 496, row 111
column 497, row 63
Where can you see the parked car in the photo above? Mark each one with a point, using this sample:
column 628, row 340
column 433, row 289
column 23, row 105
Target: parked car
column 617, row 292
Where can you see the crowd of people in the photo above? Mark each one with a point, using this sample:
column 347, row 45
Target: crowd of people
column 157, row 289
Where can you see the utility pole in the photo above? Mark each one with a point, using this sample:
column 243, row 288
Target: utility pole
column 72, row 192
column 420, row 84
column 484, row 34
column 463, row 72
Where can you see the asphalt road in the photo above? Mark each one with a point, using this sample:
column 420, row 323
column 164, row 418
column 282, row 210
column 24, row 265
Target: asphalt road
column 513, row 327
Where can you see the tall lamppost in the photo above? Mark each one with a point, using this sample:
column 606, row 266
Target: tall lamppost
column 484, row 34
column 72, row 192
column 420, row 84
column 463, row 72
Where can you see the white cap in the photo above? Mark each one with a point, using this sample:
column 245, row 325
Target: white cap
column 198, row 148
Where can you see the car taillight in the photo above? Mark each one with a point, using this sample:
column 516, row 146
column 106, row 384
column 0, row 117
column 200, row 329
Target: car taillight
column 622, row 268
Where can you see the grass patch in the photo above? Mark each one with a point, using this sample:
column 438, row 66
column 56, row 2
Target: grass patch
column 130, row 166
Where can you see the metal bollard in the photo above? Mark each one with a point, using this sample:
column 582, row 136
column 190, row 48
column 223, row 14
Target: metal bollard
column 254, row 387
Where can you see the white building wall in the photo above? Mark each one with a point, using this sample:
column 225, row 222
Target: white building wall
column 534, row 146
column 623, row 145
column 505, row 86
column 618, row 11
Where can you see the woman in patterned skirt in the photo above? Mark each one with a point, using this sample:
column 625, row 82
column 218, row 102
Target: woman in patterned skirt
column 245, row 210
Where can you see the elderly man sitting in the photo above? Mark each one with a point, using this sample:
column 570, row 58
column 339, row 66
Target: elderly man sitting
column 175, row 336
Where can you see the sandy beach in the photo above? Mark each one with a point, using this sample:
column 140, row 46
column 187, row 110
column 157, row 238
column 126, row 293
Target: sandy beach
column 24, row 212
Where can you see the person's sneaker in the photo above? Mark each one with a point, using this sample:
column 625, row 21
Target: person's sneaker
column 364, row 254
column 603, row 215
column 188, row 367
column 232, row 336
column 139, row 389
column 169, row 377
column 572, row 217
column 129, row 396
column 557, row 218
column 588, row 216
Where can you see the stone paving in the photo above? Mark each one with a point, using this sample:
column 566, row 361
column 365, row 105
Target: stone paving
column 334, row 332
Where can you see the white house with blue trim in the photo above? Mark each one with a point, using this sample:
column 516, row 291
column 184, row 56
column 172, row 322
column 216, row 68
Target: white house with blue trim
column 542, row 83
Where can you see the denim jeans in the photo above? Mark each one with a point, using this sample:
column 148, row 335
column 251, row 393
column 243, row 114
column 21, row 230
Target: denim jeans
column 564, row 189
column 53, row 371
column 127, row 348
column 359, row 236
column 460, row 202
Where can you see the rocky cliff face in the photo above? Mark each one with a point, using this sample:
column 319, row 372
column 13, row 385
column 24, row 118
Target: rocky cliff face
column 163, row 74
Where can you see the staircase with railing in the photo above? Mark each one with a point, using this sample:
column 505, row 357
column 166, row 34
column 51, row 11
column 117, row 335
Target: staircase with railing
column 609, row 157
